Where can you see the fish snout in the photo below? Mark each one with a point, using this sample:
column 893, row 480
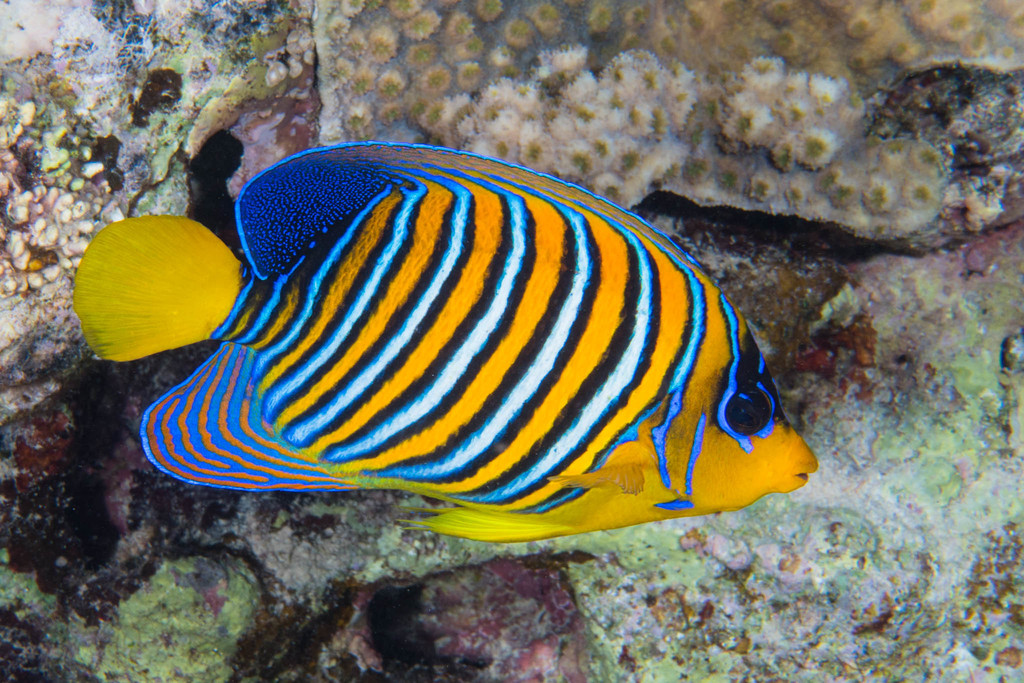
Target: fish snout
column 804, row 461
column 794, row 463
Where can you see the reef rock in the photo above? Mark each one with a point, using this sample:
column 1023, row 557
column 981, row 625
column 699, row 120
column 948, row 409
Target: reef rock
column 841, row 168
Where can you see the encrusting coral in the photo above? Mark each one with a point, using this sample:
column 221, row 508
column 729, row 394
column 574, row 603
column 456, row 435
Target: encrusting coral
column 94, row 119
column 55, row 194
column 616, row 133
column 766, row 139
column 773, row 117
column 47, row 223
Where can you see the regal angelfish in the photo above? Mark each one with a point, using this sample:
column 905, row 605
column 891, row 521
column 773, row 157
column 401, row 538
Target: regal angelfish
column 416, row 318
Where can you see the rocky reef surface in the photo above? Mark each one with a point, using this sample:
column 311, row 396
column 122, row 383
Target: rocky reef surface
column 850, row 172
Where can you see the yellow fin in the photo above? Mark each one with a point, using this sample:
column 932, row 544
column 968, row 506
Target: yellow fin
column 628, row 476
column 495, row 526
column 154, row 283
column 623, row 469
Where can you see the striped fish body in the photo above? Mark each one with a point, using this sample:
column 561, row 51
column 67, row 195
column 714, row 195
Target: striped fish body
column 421, row 319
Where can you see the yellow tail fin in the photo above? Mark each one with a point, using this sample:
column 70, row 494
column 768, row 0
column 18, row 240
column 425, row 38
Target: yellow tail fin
column 154, row 283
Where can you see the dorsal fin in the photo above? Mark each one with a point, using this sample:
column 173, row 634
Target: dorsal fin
column 286, row 209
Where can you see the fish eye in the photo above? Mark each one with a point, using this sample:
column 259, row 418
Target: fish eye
column 748, row 413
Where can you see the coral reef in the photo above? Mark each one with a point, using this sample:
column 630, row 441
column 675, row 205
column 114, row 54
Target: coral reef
column 766, row 138
column 839, row 129
column 474, row 42
column 761, row 107
column 95, row 128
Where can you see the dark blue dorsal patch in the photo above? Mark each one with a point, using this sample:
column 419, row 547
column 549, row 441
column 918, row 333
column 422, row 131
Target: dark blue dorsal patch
column 305, row 199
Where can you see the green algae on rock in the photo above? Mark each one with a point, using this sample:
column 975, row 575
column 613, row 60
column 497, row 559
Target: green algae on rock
column 28, row 629
column 183, row 625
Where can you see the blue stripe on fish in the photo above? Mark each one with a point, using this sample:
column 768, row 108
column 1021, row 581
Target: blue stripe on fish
column 659, row 435
column 364, row 381
column 530, row 381
column 621, row 376
column 695, row 450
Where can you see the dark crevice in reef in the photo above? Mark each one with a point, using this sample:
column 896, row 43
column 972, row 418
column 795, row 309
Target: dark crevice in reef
column 760, row 227
column 90, row 522
column 95, row 401
column 106, row 150
column 160, row 92
column 57, row 522
column 60, row 528
column 396, row 633
column 291, row 639
column 209, row 172
column 407, row 649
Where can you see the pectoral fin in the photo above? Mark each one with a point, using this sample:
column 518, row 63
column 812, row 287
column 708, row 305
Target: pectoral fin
column 624, row 468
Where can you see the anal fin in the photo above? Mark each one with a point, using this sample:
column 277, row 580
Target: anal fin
column 209, row 431
column 494, row 526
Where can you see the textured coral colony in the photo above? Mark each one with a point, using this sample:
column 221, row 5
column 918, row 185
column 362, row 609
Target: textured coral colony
column 48, row 223
column 892, row 124
column 756, row 109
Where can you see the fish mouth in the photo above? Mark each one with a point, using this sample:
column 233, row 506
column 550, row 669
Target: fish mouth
column 788, row 485
column 798, row 481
